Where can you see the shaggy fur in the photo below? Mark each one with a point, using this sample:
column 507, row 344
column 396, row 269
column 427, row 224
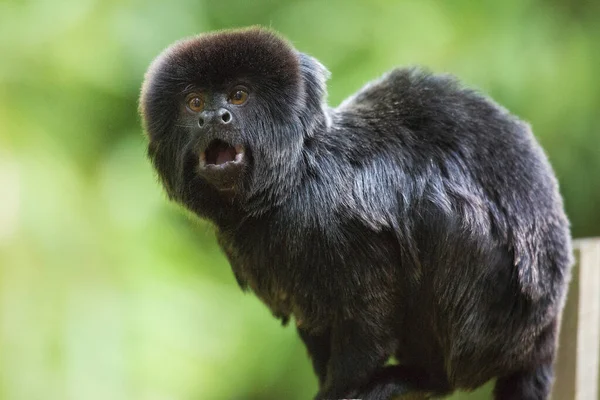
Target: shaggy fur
column 418, row 219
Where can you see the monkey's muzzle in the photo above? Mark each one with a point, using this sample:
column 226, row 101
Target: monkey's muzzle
column 222, row 164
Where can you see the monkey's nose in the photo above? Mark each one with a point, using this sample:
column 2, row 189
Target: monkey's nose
column 225, row 116
column 222, row 116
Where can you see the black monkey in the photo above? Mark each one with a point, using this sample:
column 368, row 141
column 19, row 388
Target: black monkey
column 418, row 219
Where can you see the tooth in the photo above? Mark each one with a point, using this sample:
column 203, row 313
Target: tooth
column 202, row 159
column 238, row 157
column 239, row 149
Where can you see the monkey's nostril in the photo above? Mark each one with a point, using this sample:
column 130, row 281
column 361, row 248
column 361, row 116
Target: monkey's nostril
column 226, row 116
column 200, row 122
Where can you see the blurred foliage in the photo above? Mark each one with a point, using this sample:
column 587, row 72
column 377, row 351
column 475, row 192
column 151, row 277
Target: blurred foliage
column 107, row 291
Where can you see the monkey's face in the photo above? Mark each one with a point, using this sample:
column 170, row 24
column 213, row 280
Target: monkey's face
column 222, row 112
column 213, row 120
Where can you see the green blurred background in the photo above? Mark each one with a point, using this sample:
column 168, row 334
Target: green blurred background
column 107, row 291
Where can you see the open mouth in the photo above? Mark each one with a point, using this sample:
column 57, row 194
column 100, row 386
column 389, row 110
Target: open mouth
column 220, row 154
column 221, row 164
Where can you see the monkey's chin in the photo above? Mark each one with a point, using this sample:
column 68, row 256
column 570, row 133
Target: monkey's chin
column 222, row 164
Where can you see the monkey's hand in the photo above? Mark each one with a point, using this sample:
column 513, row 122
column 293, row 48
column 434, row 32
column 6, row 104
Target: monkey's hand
column 400, row 383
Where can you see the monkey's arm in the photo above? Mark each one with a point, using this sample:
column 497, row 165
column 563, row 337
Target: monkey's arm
column 357, row 351
column 318, row 345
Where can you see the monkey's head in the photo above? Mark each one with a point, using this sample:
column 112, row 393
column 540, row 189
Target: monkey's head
column 227, row 114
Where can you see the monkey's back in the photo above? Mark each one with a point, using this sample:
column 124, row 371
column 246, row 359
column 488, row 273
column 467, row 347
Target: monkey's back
column 473, row 197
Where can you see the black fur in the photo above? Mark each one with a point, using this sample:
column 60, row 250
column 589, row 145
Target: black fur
column 418, row 219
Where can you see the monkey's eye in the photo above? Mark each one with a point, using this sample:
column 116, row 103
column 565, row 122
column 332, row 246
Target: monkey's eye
column 238, row 96
column 195, row 102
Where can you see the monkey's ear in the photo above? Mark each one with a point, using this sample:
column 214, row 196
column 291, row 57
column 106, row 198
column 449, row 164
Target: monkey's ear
column 315, row 75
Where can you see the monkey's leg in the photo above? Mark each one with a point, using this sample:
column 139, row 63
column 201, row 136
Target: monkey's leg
column 525, row 385
column 357, row 352
column 536, row 383
column 319, row 349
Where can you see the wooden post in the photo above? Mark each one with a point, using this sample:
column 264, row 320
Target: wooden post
column 578, row 362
